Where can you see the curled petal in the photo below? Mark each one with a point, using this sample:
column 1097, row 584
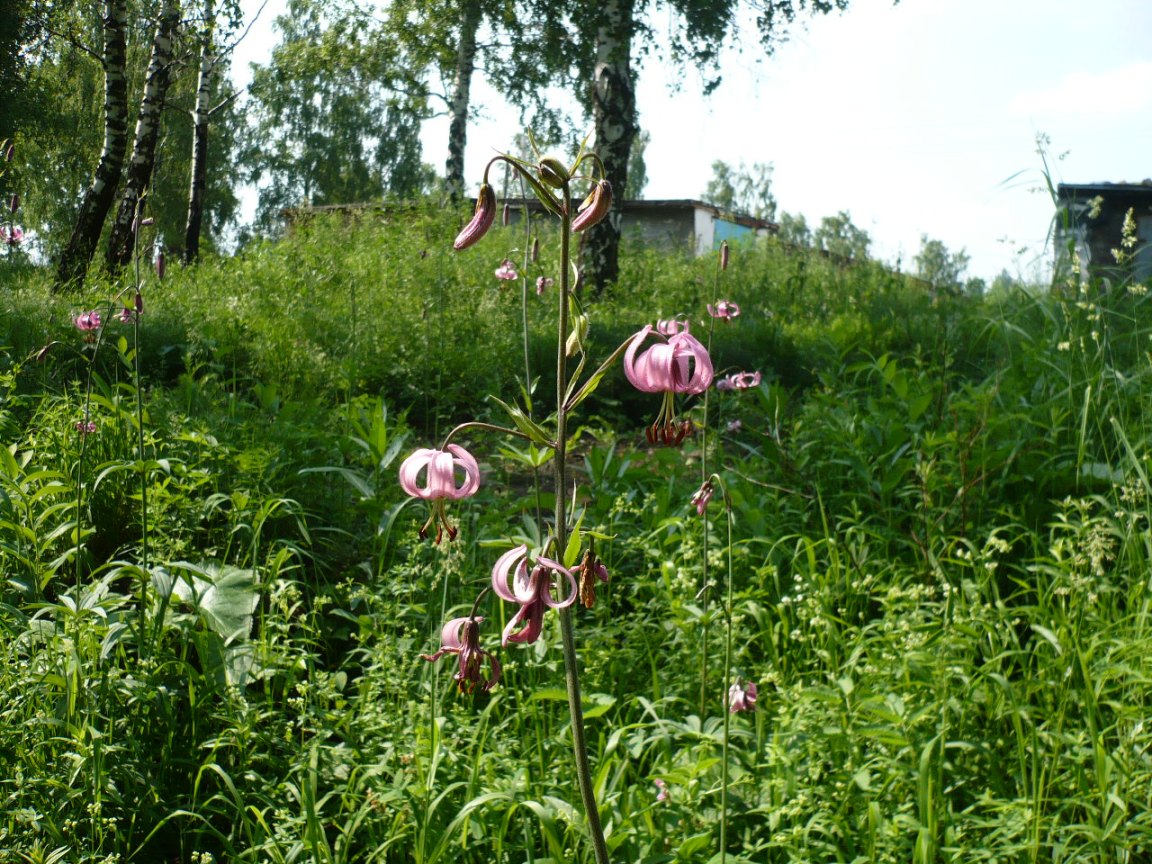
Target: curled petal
column 545, row 583
column 639, row 377
column 671, row 326
column 514, row 558
column 531, row 616
column 692, row 371
column 440, row 480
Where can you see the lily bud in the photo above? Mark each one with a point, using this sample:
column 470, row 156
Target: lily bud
column 535, row 255
column 481, row 220
column 9, row 152
column 506, row 215
column 724, row 255
column 595, row 206
column 159, row 265
column 554, row 172
column 15, row 201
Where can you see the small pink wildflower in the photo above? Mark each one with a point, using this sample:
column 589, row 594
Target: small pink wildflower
column 742, row 698
column 739, row 381
column 506, row 271
column 543, row 283
column 126, row 315
column 702, row 497
column 87, row 320
column 725, row 309
column 85, row 427
column 662, row 789
column 735, row 426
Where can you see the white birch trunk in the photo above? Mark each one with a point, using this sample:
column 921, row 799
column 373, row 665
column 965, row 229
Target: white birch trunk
column 139, row 174
column 98, row 198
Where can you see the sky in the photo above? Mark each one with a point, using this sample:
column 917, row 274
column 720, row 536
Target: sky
column 920, row 118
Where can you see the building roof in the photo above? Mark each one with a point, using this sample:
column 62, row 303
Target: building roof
column 1063, row 189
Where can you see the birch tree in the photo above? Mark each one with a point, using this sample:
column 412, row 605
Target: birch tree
column 143, row 160
column 101, row 193
column 613, row 32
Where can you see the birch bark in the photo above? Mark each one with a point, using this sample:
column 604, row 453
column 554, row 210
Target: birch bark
column 77, row 254
column 461, row 91
column 140, row 166
column 198, row 176
column 614, row 119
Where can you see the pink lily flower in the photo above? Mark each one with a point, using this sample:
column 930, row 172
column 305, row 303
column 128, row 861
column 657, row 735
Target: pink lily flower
column 680, row 364
column 662, row 789
column 13, row 236
column 440, row 482
column 461, row 636
column 724, row 309
column 739, row 381
column 532, row 589
column 671, row 326
column 742, row 698
column 543, row 283
column 702, row 497
column 87, row 320
column 506, row 271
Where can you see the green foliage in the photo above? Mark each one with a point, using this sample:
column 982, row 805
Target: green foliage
column 939, row 557
column 331, row 123
column 742, row 190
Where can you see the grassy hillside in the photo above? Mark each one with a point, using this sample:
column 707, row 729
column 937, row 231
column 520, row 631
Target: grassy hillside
column 928, row 547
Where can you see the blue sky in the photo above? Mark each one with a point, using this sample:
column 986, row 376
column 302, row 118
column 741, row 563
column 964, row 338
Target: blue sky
column 918, row 118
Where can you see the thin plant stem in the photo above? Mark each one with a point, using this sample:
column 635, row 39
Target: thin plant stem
column 704, row 575
column 136, row 382
column 727, row 674
column 571, row 667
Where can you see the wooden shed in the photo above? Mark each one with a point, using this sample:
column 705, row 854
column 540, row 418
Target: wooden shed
column 1091, row 218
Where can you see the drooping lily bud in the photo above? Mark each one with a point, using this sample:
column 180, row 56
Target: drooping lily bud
column 9, row 152
column 481, row 220
column 506, row 215
column 160, row 264
column 535, row 256
column 595, row 207
column 554, row 172
column 724, row 255
column 15, row 201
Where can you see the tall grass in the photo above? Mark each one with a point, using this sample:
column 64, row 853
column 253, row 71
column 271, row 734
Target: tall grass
column 940, row 560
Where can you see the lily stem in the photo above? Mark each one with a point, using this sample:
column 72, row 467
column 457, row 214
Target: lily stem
column 571, row 661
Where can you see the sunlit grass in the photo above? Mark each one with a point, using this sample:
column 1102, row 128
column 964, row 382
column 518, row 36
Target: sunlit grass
column 940, row 572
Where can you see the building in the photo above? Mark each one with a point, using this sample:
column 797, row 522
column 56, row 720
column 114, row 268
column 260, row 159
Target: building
column 1090, row 219
column 675, row 224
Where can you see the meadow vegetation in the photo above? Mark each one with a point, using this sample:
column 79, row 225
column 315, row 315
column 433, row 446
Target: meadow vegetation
column 214, row 603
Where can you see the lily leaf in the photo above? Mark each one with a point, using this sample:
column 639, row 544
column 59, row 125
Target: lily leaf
column 533, row 430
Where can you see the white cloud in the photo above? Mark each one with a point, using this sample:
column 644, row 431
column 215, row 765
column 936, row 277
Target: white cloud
column 1117, row 91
